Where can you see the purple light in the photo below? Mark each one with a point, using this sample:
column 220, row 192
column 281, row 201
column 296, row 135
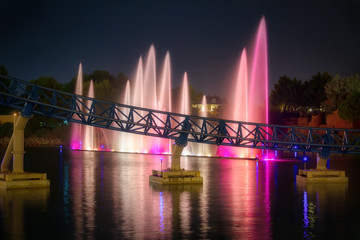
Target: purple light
column 305, row 158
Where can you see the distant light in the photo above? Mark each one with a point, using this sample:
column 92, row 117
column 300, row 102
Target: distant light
column 60, row 146
column 295, row 147
column 305, row 158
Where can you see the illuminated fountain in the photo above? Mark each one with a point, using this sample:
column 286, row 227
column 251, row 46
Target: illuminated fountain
column 76, row 128
column 248, row 98
column 122, row 141
column 88, row 141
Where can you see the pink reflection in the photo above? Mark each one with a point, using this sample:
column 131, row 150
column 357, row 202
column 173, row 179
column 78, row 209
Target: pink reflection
column 238, row 188
column 83, row 192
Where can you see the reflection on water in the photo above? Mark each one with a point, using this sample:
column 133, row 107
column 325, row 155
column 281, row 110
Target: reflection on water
column 317, row 199
column 13, row 206
column 108, row 196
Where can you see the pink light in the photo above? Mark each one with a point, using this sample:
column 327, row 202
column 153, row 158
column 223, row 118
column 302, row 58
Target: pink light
column 250, row 98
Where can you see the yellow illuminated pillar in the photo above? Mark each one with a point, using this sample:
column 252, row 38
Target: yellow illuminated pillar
column 175, row 158
column 16, row 147
column 321, row 163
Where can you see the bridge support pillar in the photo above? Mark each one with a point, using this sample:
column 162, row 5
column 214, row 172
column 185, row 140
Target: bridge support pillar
column 175, row 174
column 175, row 158
column 321, row 163
column 17, row 178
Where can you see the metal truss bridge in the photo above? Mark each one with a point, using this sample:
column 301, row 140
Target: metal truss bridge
column 18, row 94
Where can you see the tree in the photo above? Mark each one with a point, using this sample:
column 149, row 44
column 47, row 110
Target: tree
column 102, row 90
column 349, row 109
column 287, row 93
column 48, row 82
column 338, row 89
column 314, row 90
column 98, row 76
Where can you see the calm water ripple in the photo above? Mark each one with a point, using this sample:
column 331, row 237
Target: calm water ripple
column 96, row 195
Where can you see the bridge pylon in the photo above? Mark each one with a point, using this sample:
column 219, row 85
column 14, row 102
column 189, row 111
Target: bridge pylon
column 17, row 178
column 175, row 174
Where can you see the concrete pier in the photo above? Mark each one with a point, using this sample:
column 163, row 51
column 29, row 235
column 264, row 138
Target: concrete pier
column 176, row 175
column 321, row 174
column 23, row 180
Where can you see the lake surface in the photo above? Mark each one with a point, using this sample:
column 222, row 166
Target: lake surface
column 104, row 195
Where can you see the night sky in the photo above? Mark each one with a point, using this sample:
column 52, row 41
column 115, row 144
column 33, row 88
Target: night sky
column 204, row 38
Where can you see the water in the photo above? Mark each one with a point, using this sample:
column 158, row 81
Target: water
column 104, row 195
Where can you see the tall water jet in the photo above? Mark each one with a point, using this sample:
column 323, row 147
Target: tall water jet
column 204, row 149
column 241, row 97
column 165, row 103
column 76, row 128
column 138, row 92
column 185, row 99
column 150, row 100
column 240, row 109
column 185, row 109
column 138, row 100
column 88, row 142
column 203, row 111
column 259, row 89
column 259, row 96
column 125, row 141
column 150, row 97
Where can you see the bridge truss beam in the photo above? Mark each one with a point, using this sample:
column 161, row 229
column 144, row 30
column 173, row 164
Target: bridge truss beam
column 73, row 108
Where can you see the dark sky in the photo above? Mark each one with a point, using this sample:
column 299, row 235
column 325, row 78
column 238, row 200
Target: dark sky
column 205, row 38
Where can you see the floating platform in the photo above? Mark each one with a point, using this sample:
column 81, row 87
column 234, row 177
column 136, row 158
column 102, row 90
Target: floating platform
column 175, row 177
column 321, row 176
column 23, row 180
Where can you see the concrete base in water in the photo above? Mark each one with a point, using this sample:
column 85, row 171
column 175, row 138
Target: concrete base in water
column 321, row 176
column 23, row 180
column 175, row 177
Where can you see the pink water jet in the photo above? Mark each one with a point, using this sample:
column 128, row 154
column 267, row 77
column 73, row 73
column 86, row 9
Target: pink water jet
column 185, row 99
column 88, row 142
column 164, row 104
column 240, row 111
column 259, row 88
column 203, row 112
column 76, row 128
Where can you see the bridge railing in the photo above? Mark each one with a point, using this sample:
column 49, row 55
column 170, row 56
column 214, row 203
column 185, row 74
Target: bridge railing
column 17, row 93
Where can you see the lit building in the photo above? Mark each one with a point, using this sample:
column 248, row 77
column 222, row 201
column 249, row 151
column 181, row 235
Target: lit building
column 214, row 106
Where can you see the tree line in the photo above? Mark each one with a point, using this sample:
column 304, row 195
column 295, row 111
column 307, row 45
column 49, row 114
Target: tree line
column 323, row 93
